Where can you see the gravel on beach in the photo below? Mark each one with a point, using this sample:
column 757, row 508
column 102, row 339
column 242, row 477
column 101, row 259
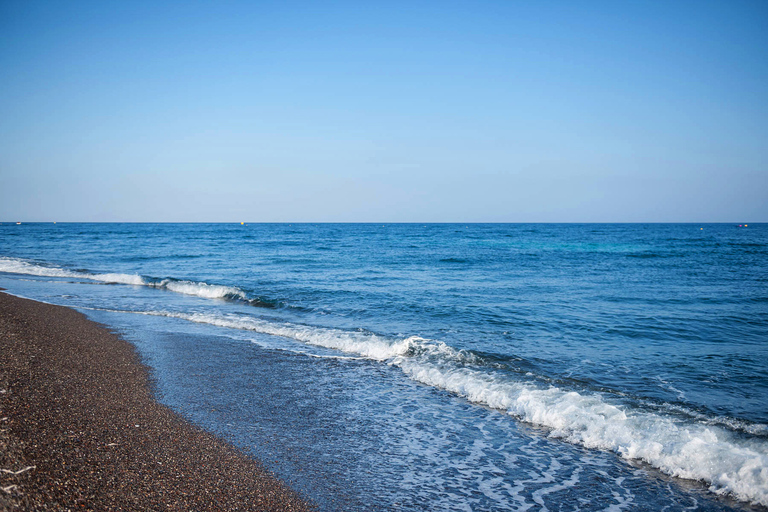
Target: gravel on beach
column 80, row 429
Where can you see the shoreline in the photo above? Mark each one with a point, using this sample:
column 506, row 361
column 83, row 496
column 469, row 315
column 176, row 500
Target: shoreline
column 80, row 428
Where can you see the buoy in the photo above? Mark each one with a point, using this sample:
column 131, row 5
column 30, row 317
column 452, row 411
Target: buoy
column 242, row 223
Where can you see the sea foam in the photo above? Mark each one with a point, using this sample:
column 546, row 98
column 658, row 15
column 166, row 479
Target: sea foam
column 17, row 266
column 730, row 462
column 199, row 289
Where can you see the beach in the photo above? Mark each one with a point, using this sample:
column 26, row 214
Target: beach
column 80, row 429
column 454, row 367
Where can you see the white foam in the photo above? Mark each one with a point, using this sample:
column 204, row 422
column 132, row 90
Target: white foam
column 17, row 266
column 131, row 279
column 199, row 289
column 693, row 448
column 368, row 345
column 728, row 461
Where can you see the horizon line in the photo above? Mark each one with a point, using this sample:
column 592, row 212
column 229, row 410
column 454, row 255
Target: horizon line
column 377, row 222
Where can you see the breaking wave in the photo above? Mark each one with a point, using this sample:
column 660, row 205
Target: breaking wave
column 725, row 456
column 195, row 288
column 731, row 457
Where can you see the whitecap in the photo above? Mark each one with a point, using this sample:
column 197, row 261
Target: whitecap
column 729, row 462
column 199, row 289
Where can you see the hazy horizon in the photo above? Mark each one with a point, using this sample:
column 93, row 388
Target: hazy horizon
column 246, row 223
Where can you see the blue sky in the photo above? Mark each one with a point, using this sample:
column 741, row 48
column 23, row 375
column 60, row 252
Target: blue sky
column 393, row 111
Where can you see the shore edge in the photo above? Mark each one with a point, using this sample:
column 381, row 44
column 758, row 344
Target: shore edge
column 80, row 428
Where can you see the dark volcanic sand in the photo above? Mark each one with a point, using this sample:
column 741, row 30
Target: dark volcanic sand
column 76, row 406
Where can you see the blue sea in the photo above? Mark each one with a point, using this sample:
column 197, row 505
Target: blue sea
column 561, row 367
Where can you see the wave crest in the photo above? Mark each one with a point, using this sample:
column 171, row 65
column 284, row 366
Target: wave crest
column 727, row 457
column 728, row 461
column 195, row 288
column 200, row 289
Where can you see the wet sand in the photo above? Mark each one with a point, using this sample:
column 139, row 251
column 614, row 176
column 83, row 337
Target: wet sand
column 80, row 430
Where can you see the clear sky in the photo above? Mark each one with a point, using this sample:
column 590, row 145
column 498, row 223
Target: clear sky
column 503, row 111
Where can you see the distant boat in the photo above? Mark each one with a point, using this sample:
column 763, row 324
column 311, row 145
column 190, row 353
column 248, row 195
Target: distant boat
column 18, row 223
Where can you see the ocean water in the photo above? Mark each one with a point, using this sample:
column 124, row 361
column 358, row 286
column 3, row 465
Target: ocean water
column 445, row 366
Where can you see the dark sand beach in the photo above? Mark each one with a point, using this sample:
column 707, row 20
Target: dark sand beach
column 79, row 428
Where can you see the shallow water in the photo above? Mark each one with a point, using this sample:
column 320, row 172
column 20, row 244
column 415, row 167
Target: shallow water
column 466, row 367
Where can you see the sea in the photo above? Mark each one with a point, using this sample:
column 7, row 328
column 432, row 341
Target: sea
column 468, row 367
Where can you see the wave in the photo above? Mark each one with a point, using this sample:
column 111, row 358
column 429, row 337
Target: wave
column 730, row 456
column 723, row 454
column 195, row 288
column 199, row 289
column 728, row 461
column 454, row 260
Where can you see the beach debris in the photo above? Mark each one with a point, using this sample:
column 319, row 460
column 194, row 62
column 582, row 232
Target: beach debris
column 10, row 489
column 14, row 473
column 112, row 444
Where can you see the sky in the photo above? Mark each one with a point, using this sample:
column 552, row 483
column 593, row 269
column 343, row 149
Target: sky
column 482, row 111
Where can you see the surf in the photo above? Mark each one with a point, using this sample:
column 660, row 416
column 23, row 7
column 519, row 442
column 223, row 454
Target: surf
column 728, row 460
column 730, row 457
column 185, row 287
